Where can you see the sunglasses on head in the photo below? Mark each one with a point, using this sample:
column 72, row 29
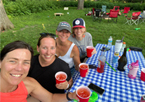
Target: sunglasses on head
column 45, row 34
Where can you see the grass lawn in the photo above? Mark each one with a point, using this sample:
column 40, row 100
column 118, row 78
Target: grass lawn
column 28, row 27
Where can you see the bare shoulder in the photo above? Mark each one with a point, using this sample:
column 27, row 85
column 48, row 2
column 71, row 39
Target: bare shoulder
column 29, row 80
column 75, row 51
column 30, row 84
column 75, row 48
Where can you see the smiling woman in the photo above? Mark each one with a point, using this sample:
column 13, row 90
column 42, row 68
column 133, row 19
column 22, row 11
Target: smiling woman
column 15, row 59
column 81, row 38
column 67, row 50
column 45, row 65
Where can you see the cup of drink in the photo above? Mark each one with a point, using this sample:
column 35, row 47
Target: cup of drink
column 115, row 57
column 142, row 77
column 118, row 45
column 89, row 50
column 133, row 68
column 83, row 93
column 60, row 77
column 83, row 69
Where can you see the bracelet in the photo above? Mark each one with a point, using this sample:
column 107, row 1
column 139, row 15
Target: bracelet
column 68, row 97
column 67, row 86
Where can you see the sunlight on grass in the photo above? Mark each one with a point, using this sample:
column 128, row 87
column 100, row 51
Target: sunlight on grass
column 28, row 27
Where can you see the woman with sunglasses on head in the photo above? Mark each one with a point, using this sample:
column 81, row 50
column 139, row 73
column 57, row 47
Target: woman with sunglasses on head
column 45, row 65
column 67, row 50
column 15, row 59
column 81, row 38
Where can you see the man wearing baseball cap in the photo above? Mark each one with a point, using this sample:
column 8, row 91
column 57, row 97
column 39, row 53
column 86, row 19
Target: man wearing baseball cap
column 81, row 38
column 65, row 49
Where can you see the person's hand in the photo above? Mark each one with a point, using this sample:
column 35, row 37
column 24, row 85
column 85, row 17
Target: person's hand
column 94, row 51
column 87, row 72
column 63, row 85
column 73, row 96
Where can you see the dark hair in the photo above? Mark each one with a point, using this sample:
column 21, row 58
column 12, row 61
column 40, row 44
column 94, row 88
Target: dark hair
column 15, row 45
column 44, row 36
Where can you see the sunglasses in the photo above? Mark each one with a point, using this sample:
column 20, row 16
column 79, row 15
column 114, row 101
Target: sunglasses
column 45, row 34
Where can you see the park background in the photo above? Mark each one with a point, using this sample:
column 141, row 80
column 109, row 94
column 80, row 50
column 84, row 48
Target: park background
column 27, row 17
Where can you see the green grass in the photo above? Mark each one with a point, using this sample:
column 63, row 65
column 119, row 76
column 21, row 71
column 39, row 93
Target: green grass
column 28, row 27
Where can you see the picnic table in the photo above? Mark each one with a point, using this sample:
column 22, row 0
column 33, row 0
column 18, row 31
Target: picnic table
column 117, row 85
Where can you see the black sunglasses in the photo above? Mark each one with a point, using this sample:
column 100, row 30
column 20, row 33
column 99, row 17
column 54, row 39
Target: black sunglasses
column 45, row 34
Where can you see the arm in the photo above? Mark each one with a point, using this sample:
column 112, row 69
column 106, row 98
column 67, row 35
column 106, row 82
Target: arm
column 37, row 91
column 76, row 57
column 90, row 41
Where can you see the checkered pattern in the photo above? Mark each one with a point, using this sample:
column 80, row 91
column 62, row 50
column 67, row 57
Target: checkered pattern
column 118, row 86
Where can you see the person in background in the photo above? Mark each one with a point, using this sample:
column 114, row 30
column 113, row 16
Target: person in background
column 15, row 59
column 67, row 50
column 45, row 65
column 81, row 38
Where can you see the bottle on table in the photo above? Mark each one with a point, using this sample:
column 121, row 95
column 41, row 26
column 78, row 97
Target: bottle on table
column 115, row 57
column 122, row 61
column 123, row 46
column 101, row 61
column 110, row 42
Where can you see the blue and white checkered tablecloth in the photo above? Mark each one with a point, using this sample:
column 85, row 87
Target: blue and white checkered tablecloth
column 118, row 86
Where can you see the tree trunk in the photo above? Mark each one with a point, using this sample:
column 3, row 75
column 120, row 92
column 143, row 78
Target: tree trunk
column 5, row 23
column 80, row 4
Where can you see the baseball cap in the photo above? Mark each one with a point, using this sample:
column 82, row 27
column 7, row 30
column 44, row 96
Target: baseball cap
column 79, row 22
column 64, row 25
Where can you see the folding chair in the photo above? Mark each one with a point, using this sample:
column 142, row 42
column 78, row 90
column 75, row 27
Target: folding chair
column 96, row 14
column 134, row 19
column 126, row 10
column 113, row 15
column 104, row 8
column 142, row 17
column 116, row 8
column 109, row 12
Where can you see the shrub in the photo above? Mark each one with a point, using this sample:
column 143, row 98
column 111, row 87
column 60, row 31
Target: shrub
column 22, row 7
column 26, row 7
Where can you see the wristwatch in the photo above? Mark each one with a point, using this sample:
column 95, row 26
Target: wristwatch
column 68, row 97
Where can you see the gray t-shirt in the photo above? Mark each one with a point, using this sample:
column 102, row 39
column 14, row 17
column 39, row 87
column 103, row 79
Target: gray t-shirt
column 86, row 41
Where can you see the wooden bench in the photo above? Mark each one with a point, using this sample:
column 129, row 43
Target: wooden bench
column 58, row 14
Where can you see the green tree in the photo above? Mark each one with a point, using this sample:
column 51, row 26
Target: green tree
column 5, row 23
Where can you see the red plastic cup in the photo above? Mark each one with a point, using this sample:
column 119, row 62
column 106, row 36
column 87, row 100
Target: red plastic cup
column 142, row 77
column 83, row 69
column 89, row 51
column 60, row 77
column 83, row 93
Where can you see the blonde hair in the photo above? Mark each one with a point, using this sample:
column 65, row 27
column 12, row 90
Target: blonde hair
column 84, row 29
